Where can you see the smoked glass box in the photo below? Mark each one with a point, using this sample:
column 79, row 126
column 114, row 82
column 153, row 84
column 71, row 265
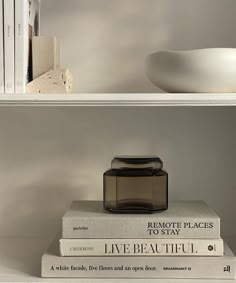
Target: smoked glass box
column 136, row 184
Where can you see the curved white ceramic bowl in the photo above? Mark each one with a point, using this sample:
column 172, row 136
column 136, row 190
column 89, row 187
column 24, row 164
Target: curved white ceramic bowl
column 201, row 70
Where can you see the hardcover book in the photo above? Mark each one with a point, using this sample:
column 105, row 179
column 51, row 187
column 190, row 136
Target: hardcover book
column 2, row 83
column 53, row 265
column 27, row 24
column 141, row 247
column 183, row 219
column 9, row 44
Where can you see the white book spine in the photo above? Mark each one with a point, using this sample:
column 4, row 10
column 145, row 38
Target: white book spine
column 2, row 83
column 21, row 45
column 9, row 45
column 141, row 247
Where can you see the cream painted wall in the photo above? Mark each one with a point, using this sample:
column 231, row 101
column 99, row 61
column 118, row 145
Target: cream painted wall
column 50, row 156
column 105, row 42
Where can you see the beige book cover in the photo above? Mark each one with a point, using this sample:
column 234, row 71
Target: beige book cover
column 141, row 247
column 53, row 265
column 183, row 219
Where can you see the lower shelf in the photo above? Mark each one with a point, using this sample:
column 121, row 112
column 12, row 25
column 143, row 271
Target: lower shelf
column 20, row 261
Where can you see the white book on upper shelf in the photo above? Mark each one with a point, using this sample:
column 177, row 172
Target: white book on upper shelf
column 27, row 25
column 2, row 83
column 9, row 46
column 21, row 44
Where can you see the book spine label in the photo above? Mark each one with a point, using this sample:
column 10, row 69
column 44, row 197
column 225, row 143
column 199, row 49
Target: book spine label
column 141, row 247
column 140, row 228
column 139, row 267
column 21, row 45
column 9, row 43
column 2, row 83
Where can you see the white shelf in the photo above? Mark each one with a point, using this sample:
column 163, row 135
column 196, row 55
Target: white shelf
column 111, row 99
column 20, row 262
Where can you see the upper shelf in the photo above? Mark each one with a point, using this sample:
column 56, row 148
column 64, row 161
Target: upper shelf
column 111, row 99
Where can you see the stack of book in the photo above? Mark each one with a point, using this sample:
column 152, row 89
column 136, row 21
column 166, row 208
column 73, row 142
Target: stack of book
column 19, row 22
column 182, row 242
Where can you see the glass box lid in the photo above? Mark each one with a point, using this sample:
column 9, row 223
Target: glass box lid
column 137, row 162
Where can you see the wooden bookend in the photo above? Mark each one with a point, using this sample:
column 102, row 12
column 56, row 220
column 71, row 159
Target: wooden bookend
column 55, row 81
column 46, row 55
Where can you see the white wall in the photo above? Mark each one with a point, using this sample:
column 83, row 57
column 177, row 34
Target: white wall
column 50, row 156
column 105, row 42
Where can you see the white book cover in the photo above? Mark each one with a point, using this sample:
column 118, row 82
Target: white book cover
column 21, row 44
column 9, row 46
column 141, row 247
column 222, row 267
column 2, row 83
column 183, row 219
column 27, row 25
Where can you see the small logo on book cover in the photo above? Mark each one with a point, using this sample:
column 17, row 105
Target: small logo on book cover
column 210, row 248
column 227, row 268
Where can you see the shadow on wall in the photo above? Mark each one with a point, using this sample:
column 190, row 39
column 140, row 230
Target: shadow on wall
column 51, row 156
column 202, row 24
column 105, row 43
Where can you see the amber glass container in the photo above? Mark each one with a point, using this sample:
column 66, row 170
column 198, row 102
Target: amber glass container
column 136, row 185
